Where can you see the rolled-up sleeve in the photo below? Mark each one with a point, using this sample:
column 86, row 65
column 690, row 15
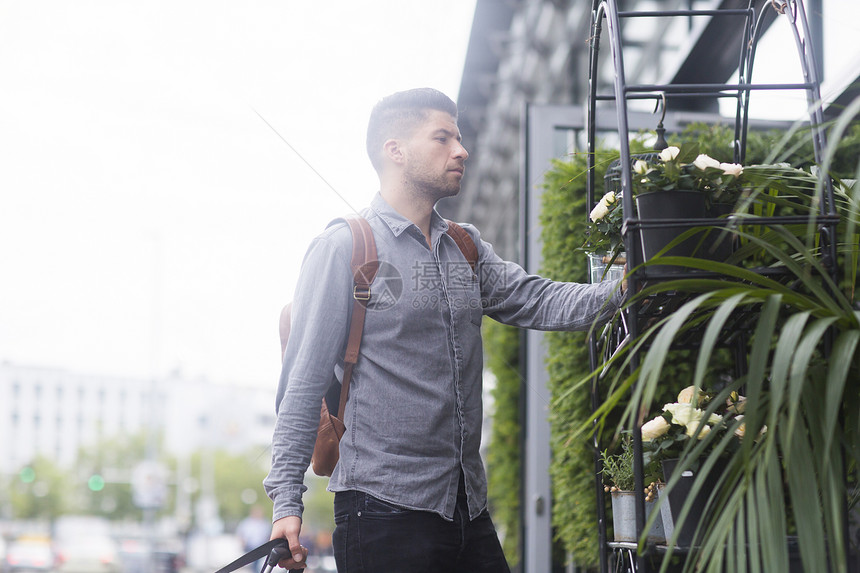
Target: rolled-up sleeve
column 320, row 315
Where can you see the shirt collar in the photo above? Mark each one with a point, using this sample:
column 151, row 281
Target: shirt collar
column 398, row 223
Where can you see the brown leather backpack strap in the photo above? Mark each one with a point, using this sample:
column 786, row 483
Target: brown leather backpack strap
column 464, row 242
column 364, row 268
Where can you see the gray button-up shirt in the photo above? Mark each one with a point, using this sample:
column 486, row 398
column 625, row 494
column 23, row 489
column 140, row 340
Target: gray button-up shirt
column 414, row 413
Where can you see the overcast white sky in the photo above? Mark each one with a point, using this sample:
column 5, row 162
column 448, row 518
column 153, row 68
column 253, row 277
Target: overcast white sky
column 149, row 219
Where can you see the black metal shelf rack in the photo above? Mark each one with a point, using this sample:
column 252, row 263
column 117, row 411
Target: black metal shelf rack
column 625, row 556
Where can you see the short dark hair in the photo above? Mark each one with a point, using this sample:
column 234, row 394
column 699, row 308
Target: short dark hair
column 399, row 113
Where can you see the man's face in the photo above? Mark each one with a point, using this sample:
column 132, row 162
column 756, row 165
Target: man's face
column 435, row 157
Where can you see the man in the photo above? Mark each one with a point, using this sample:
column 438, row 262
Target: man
column 410, row 489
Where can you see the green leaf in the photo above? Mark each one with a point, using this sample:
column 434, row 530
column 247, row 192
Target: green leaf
column 842, row 356
column 712, row 334
column 688, row 154
column 802, row 355
column 789, row 338
column 804, row 487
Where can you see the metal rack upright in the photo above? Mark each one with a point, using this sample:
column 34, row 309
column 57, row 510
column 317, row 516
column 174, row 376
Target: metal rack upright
column 608, row 13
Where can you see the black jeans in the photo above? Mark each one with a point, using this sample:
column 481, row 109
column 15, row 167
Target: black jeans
column 374, row 536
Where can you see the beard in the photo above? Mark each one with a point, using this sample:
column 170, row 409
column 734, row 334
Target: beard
column 432, row 186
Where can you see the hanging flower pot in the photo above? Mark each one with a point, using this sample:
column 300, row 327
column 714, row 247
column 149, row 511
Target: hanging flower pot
column 664, row 206
column 719, row 242
column 683, row 185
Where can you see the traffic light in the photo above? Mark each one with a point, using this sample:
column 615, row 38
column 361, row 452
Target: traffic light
column 96, row 482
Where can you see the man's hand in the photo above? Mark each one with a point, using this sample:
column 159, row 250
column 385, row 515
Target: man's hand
column 289, row 528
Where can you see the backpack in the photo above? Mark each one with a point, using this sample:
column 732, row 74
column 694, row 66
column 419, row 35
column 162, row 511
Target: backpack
column 364, row 267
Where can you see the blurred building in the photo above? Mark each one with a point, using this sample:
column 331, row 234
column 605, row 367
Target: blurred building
column 53, row 413
column 526, row 53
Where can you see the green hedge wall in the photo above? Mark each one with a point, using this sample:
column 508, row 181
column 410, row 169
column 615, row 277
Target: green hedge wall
column 504, row 467
column 563, row 221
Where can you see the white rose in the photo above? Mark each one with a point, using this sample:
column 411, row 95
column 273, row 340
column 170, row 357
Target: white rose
column 640, row 167
column 669, row 153
column 732, row 169
column 600, row 210
column 690, row 430
column 608, row 199
column 686, row 395
column 683, row 414
column 741, row 430
column 654, row 428
column 703, row 162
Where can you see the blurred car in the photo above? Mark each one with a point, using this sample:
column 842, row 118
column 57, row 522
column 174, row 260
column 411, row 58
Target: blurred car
column 78, row 526
column 29, row 554
column 168, row 556
column 142, row 556
column 87, row 554
column 134, row 555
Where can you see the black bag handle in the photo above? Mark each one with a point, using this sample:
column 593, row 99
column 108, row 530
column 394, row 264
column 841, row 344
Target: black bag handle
column 275, row 549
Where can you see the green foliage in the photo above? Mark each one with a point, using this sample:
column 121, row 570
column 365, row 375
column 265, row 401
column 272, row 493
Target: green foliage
column 773, row 146
column 43, row 490
column 716, row 141
column 563, row 222
column 618, row 468
column 800, row 338
column 319, row 505
column 504, row 462
column 39, row 491
column 234, row 474
column 564, row 218
column 107, row 458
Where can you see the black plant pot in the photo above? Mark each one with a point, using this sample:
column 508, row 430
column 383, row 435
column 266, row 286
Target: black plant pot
column 671, row 511
column 719, row 242
column 664, row 205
